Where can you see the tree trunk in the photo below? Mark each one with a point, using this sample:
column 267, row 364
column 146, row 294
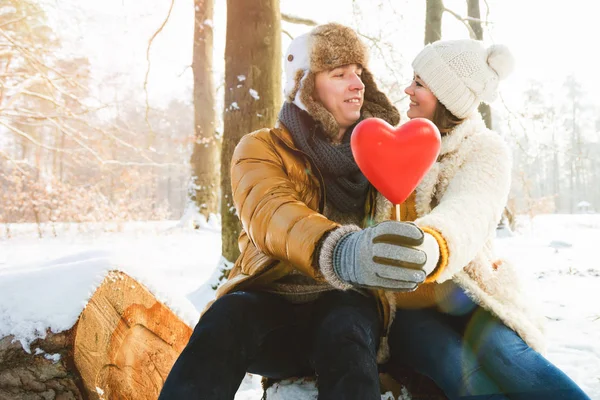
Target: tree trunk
column 475, row 12
column 204, row 160
column 252, row 91
column 573, row 155
column 433, row 21
column 61, row 158
column 556, row 174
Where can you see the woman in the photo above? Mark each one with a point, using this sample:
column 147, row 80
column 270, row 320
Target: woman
column 468, row 327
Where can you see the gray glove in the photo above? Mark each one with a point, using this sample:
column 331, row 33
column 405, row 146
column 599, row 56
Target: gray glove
column 383, row 256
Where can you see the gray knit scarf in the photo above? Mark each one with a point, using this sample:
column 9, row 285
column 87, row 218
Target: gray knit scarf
column 345, row 185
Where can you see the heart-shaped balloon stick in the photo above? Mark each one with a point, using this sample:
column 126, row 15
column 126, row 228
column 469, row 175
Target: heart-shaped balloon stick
column 395, row 160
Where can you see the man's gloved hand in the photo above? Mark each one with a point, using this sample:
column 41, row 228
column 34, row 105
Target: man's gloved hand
column 384, row 256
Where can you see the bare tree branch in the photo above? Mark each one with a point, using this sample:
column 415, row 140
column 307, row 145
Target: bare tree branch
column 184, row 70
column 297, row 20
column 487, row 11
column 160, row 28
column 72, row 134
column 287, row 34
column 13, row 161
column 42, row 96
column 14, row 21
column 28, row 137
column 71, row 96
column 36, row 61
column 29, row 114
column 64, row 129
column 51, row 121
column 475, row 20
column 515, row 117
column 148, row 164
column 377, row 43
column 19, row 90
column 464, row 21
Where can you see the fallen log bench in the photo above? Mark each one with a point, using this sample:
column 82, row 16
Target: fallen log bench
column 126, row 342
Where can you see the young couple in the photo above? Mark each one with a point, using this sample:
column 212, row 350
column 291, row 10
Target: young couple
column 328, row 284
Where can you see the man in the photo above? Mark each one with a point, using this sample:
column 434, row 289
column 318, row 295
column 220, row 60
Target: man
column 306, row 295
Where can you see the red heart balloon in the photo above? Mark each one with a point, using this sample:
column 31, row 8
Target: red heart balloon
column 395, row 160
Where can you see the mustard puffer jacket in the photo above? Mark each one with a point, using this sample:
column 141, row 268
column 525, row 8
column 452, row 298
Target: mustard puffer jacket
column 280, row 199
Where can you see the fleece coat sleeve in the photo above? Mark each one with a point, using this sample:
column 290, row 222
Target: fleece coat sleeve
column 469, row 210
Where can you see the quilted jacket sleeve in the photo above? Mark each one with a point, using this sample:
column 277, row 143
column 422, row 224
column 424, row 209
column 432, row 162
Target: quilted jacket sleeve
column 268, row 203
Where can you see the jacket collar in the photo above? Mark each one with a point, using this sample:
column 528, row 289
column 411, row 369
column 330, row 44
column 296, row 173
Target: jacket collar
column 283, row 134
column 453, row 139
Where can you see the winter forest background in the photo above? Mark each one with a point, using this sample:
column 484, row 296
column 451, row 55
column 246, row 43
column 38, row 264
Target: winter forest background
column 97, row 101
column 118, row 119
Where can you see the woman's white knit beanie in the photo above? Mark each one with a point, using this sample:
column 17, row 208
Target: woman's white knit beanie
column 463, row 73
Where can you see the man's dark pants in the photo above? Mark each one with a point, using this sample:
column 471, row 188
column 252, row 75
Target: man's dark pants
column 334, row 337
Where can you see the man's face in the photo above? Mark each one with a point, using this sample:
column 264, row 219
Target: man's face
column 341, row 92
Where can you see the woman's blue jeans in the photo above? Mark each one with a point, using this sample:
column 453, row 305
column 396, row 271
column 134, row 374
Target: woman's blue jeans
column 475, row 356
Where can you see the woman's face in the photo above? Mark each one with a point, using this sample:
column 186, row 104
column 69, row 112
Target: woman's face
column 341, row 92
column 422, row 101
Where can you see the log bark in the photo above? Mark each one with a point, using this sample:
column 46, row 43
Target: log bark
column 45, row 373
column 126, row 341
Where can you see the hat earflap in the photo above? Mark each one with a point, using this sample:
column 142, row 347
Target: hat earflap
column 376, row 104
column 294, row 95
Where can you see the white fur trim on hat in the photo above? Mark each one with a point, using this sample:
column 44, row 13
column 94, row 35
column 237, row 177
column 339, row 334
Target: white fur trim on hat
column 326, row 47
column 297, row 58
column 463, row 73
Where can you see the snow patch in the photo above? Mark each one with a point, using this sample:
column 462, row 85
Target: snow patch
column 46, row 283
column 254, row 94
column 52, row 357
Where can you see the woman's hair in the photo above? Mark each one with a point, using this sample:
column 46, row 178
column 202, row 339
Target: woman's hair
column 444, row 119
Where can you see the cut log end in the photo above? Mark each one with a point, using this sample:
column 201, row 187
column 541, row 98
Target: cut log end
column 126, row 341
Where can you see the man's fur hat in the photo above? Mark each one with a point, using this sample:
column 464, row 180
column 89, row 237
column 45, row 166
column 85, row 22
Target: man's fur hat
column 324, row 48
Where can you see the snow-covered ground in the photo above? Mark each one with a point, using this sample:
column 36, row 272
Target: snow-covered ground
column 46, row 282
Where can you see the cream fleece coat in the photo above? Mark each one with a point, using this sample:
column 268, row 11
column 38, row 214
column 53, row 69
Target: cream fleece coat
column 462, row 197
